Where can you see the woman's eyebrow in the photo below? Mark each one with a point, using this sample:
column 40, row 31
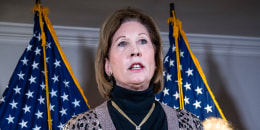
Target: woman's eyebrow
column 119, row 38
column 143, row 34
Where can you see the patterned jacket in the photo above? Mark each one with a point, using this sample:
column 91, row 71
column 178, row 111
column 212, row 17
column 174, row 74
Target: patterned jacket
column 96, row 118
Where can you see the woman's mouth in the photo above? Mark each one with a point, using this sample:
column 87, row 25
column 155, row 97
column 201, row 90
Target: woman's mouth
column 136, row 66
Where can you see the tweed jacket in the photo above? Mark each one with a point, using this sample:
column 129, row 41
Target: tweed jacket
column 99, row 119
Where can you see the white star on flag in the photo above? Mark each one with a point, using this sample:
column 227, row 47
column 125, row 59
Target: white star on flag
column 32, row 79
column 57, row 63
column 35, row 65
column 198, row 90
column 13, row 104
column 55, row 78
column 187, row 86
column 26, row 109
column 39, row 114
column 176, row 95
column 37, row 51
column 20, row 75
column 171, row 62
column 10, row 119
column 169, row 77
column 41, row 100
column 23, row 124
column 166, row 91
column 29, row 94
column 53, row 93
column 36, row 127
column 76, row 103
column 208, row 108
column 63, row 112
column 186, row 100
column 65, row 97
column 17, row 90
column 29, row 47
column 25, row 61
column 197, row 104
column 189, row 72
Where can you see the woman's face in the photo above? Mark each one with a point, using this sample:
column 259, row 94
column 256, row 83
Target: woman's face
column 131, row 57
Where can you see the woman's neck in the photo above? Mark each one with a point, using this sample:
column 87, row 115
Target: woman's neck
column 133, row 101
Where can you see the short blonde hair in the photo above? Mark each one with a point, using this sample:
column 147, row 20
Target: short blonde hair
column 108, row 30
column 214, row 123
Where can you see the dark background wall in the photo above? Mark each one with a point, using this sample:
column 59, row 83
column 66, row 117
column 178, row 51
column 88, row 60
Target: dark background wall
column 225, row 17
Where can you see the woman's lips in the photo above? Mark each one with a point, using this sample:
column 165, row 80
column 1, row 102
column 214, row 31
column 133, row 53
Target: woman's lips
column 136, row 66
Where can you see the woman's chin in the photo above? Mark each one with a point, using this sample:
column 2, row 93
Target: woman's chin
column 136, row 83
column 140, row 85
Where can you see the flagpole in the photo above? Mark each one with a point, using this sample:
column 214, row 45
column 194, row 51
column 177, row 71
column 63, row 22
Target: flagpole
column 173, row 21
column 171, row 9
column 37, row 1
column 43, row 40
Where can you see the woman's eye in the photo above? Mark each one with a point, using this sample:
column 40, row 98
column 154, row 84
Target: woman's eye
column 121, row 44
column 143, row 41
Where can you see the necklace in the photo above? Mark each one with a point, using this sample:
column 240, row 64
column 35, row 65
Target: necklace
column 137, row 127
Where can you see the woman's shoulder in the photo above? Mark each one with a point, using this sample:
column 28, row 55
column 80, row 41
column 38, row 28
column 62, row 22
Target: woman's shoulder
column 186, row 119
column 85, row 120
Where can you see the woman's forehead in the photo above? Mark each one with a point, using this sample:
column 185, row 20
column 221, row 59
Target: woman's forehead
column 131, row 26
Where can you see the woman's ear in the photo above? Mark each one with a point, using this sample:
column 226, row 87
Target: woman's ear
column 108, row 69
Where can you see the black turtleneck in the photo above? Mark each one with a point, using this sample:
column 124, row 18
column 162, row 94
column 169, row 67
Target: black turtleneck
column 136, row 105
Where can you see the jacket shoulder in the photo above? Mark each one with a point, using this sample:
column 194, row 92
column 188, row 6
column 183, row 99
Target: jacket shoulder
column 86, row 120
column 183, row 118
column 188, row 120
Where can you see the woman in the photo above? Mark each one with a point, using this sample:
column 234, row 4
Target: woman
column 129, row 71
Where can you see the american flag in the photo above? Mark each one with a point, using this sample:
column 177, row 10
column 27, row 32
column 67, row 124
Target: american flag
column 190, row 91
column 24, row 104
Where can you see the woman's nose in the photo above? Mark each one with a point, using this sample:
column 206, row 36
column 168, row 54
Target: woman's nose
column 136, row 54
column 135, row 51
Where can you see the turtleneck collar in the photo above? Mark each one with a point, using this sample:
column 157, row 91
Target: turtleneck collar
column 133, row 101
